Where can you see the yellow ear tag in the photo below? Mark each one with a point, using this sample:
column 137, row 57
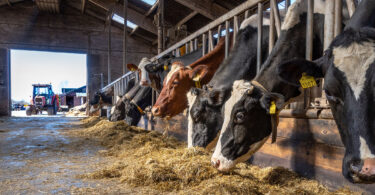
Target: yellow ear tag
column 165, row 67
column 273, row 107
column 197, row 81
column 307, row 81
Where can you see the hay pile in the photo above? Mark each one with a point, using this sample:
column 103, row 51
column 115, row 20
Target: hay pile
column 146, row 158
column 77, row 110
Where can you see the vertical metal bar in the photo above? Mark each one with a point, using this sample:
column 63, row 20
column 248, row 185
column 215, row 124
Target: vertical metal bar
column 109, row 46
column 195, row 44
column 204, row 44
column 186, row 48
column 124, row 69
column 329, row 21
column 351, row 7
column 287, row 4
column 246, row 14
column 160, row 26
column 276, row 14
column 227, row 38
column 235, row 28
column 191, row 46
column 271, row 41
column 338, row 17
column 310, row 30
column 219, row 32
column 210, row 41
column 260, row 36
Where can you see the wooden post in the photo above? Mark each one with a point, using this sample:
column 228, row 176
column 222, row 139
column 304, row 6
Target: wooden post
column 160, row 26
column 124, row 69
column 329, row 23
column 227, row 38
column 338, row 17
column 204, row 44
column 260, row 36
column 271, row 41
column 235, row 29
column 351, row 7
column 109, row 46
column 210, row 41
column 276, row 14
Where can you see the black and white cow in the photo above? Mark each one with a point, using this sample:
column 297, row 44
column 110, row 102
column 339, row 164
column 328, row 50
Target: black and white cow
column 205, row 118
column 118, row 111
column 348, row 67
column 134, row 109
column 247, row 124
column 104, row 98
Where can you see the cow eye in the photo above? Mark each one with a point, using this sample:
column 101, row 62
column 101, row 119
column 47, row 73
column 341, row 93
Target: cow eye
column 175, row 83
column 240, row 116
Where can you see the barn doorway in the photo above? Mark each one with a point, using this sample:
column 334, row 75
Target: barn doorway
column 49, row 82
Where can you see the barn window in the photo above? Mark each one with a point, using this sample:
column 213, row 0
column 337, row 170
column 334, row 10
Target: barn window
column 150, row 2
column 120, row 20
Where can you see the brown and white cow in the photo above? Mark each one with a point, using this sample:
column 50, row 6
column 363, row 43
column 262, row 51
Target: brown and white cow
column 172, row 99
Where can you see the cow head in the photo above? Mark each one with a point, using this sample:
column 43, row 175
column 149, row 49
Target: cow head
column 134, row 109
column 118, row 111
column 172, row 99
column 144, row 77
column 204, row 119
column 247, row 120
column 349, row 67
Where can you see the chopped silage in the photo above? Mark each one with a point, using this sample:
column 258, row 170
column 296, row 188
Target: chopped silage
column 148, row 159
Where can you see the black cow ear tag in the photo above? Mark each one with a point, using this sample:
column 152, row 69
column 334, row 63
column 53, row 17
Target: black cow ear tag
column 273, row 107
column 307, row 81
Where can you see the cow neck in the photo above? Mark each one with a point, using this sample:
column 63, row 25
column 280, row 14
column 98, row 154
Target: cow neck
column 291, row 44
column 241, row 63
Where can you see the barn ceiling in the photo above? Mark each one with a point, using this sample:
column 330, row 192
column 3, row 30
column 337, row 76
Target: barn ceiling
column 192, row 14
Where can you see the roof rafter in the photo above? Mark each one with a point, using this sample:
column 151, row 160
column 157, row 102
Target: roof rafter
column 205, row 7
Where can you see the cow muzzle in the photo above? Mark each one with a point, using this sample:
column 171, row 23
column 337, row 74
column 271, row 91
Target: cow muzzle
column 363, row 171
column 221, row 164
column 155, row 111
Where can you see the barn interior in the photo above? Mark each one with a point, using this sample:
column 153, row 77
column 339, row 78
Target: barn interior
column 308, row 149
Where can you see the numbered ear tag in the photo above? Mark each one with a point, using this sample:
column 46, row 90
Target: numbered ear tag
column 197, row 81
column 307, row 81
column 165, row 67
column 273, row 107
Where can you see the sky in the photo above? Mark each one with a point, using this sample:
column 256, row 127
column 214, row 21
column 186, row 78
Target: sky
column 62, row 70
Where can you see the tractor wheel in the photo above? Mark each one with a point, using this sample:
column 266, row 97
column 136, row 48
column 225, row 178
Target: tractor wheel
column 50, row 110
column 29, row 111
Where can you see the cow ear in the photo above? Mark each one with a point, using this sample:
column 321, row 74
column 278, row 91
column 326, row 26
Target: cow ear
column 198, row 72
column 132, row 67
column 267, row 99
column 291, row 71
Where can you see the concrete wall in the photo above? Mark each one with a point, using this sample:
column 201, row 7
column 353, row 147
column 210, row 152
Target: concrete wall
column 4, row 83
column 22, row 26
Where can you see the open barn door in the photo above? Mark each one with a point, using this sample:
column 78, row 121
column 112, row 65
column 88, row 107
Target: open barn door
column 5, row 101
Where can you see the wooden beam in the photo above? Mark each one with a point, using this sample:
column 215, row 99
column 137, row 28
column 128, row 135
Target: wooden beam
column 83, row 6
column 156, row 4
column 125, row 38
column 187, row 18
column 133, row 31
column 338, row 17
column 9, row 2
column 205, row 7
column 329, row 23
column 260, row 36
column 133, row 16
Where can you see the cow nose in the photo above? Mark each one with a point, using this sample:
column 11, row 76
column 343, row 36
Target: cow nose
column 144, row 83
column 368, row 168
column 155, row 111
column 215, row 163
